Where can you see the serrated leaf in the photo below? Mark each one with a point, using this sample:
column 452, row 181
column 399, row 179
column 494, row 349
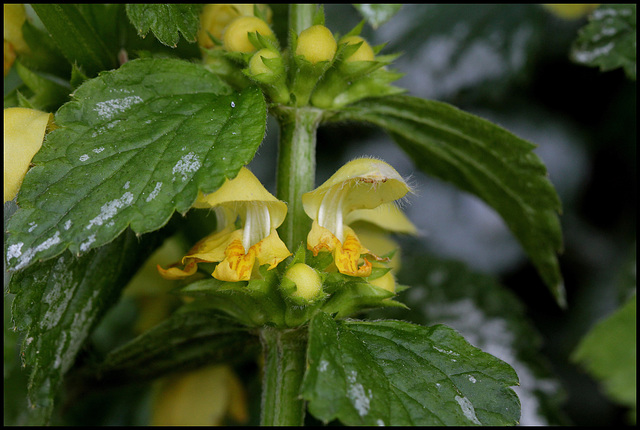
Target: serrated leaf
column 377, row 14
column 77, row 39
column 397, row 373
column 608, row 353
column 135, row 145
column 191, row 337
column 59, row 302
column 166, row 21
column 490, row 317
column 608, row 41
column 483, row 159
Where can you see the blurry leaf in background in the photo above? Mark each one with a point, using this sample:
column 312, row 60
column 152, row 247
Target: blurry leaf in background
column 76, row 38
column 190, row 337
column 377, row 14
column 608, row 353
column 609, row 40
column 57, row 304
column 490, row 317
column 166, row 21
column 102, row 170
column 397, row 373
column 449, row 48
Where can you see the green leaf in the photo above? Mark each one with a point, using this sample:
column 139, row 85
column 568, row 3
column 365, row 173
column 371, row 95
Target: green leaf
column 166, row 21
column 608, row 41
column 60, row 301
column 483, row 159
column 377, row 14
column 77, row 39
column 135, row 145
column 490, row 317
column 191, row 337
column 397, row 373
column 608, row 353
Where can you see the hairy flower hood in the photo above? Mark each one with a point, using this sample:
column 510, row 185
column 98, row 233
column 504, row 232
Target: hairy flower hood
column 353, row 193
column 237, row 249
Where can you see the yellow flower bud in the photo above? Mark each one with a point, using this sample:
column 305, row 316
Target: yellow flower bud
column 257, row 66
column 386, row 282
column 316, row 44
column 307, row 280
column 363, row 53
column 570, row 11
column 24, row 131
column 236, row 37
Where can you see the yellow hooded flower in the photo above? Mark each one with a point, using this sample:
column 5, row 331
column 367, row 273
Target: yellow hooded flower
column 14, row 18
column 571, row 11
column 24, row 131
column 202, row 397
column 362, row 184
column 237, row 250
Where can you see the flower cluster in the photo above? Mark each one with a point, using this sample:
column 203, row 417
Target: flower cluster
column 360, row 196
column 319, row 68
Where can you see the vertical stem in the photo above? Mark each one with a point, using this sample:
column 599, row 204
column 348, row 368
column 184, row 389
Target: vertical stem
column 296, row 169
column 284, row 366
column 301, row 16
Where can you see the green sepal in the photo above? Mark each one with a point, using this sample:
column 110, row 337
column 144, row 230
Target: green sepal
column 252, row 303
column 305, row 75
column 355, row 295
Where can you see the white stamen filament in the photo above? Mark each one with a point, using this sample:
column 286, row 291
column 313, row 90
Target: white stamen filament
column 330, row 214
column 257, row 225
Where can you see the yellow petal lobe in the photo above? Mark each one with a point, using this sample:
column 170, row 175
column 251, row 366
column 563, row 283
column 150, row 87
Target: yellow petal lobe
column 24, row 131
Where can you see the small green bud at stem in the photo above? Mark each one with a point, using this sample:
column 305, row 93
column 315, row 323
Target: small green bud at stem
column 308, row 282
column 316, row 44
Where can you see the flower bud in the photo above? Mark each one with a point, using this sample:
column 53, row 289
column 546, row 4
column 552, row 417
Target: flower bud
column 257, row 66
column 316, row 44
column 363, row 53
column 386, row 282
column 236, row 35
column 307, row 280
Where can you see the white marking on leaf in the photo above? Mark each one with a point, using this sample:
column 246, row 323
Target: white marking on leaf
column 467, row 409
column 110, row 209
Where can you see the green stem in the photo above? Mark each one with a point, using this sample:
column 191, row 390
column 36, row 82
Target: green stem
column 301, row 16
column 296, row 168
column 285, row 354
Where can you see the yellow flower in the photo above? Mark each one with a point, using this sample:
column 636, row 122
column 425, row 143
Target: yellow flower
column 237, row 250
column 24, row 131
column 362, row 184
column 570, row 11
column 214, row 18
column 202, row 397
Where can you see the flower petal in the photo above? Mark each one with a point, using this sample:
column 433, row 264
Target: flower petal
column 24, row 131
column 173, row 273
column 244, row 189
column 366, row 183
column 271, row 250
column 346, row 256
column 236, row 266
column 386, row 216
